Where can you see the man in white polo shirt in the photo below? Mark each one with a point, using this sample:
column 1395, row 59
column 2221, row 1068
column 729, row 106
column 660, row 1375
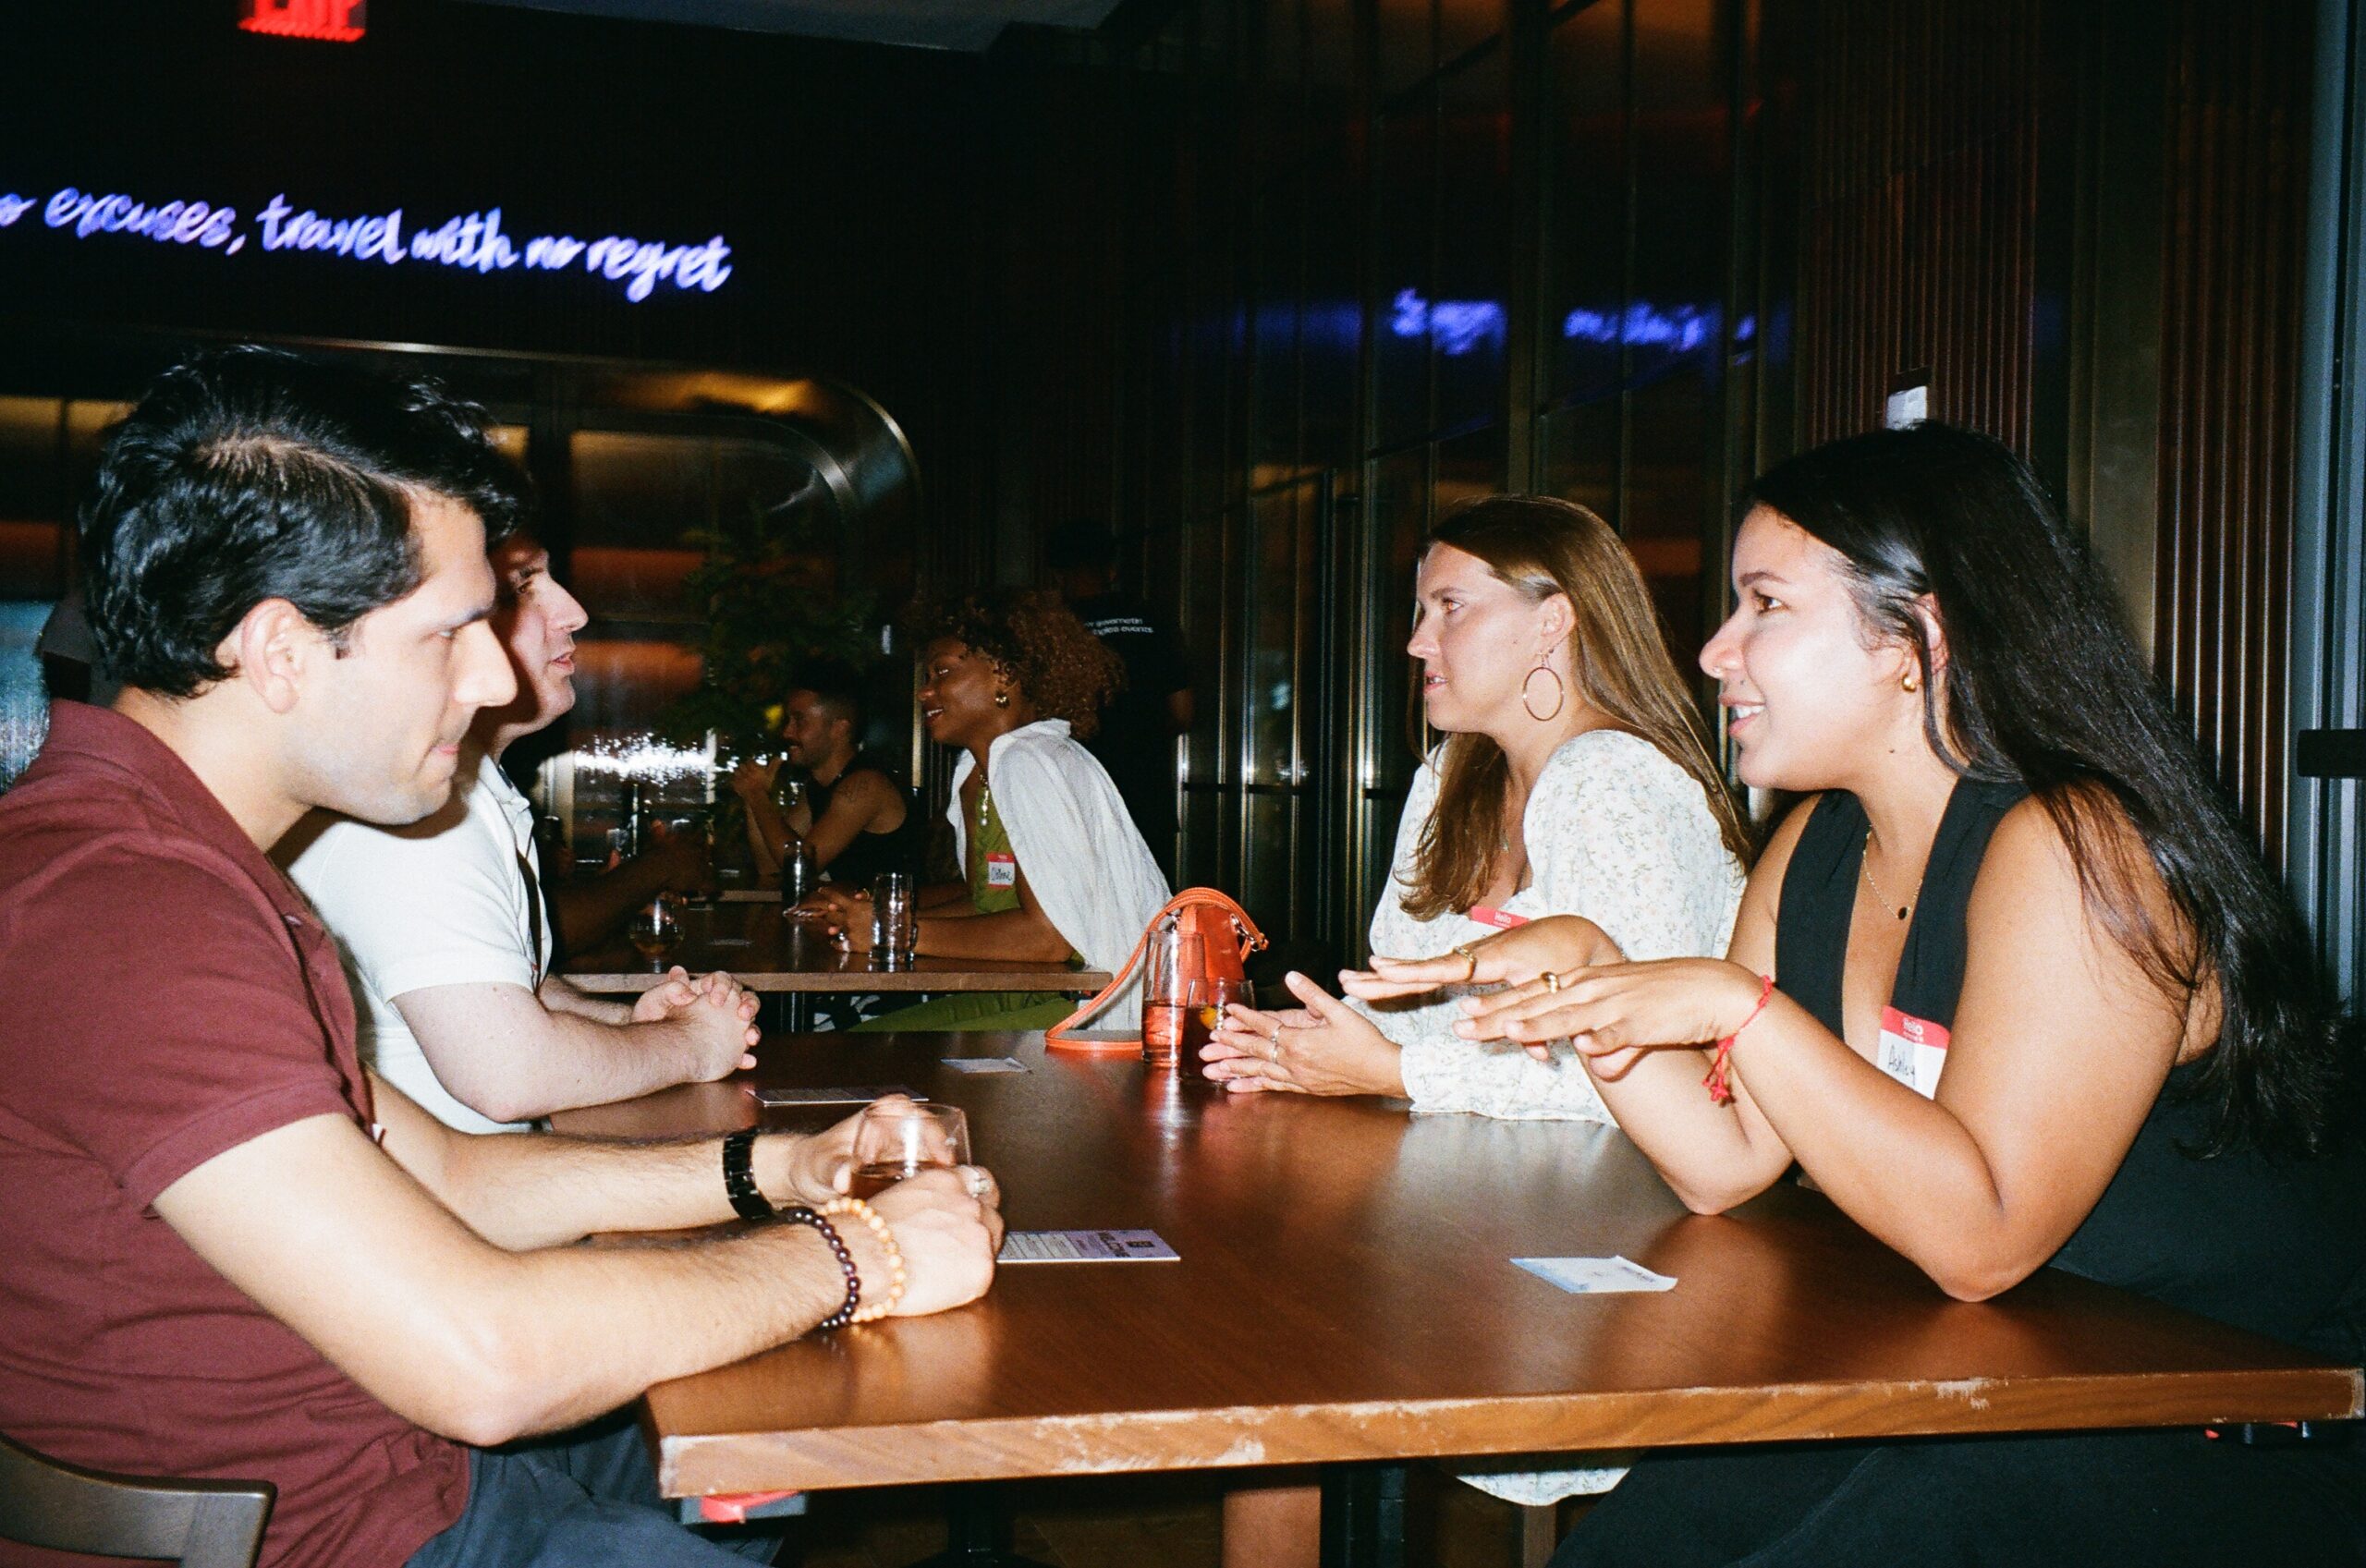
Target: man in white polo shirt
column 442, row 924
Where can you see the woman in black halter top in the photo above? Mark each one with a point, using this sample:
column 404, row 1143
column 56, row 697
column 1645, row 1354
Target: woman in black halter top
column 2039, row 1003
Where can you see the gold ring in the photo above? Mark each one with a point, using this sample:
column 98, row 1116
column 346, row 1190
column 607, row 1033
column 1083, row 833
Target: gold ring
column 1552, row 981
column 1471, row 958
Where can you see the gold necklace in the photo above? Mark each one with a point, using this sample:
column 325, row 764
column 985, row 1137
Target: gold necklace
column 1865, row 864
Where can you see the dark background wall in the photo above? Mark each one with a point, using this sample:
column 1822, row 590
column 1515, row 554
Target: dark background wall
column 1266, row 283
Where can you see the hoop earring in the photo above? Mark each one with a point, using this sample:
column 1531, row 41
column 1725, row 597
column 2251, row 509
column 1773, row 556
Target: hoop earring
column 1560, row 694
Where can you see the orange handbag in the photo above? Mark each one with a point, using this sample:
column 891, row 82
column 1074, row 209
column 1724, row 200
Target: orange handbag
column 1227, row 937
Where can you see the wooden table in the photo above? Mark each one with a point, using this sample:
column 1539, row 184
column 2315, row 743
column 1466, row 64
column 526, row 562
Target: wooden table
column 769, row 952
column 1345, row 1294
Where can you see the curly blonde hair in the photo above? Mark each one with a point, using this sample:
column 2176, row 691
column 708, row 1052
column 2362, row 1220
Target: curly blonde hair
column 1062, row 668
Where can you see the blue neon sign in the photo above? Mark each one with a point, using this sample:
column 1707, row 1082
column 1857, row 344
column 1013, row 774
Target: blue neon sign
column 465, row 242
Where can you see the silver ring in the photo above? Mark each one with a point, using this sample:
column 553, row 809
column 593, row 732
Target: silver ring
column 978, row 1184
column 1552, row 981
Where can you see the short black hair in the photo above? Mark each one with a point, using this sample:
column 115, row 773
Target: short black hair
column 1081, row 545
column 247, row 474
column 839, row 687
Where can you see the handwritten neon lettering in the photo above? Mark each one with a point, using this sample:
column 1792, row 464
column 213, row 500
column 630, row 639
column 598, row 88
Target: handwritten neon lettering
column 468, row 241
column 174, row 223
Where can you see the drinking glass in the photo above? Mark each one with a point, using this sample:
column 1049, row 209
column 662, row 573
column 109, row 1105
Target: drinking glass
column 800, row 874
column 895, row 921
column 901, row 1139
column 654, row 931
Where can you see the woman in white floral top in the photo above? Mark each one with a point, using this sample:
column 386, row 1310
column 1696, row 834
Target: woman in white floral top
column 1573, row 779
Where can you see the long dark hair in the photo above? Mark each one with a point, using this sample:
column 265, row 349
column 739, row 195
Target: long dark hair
column 1618, row 663
column 2043, row 687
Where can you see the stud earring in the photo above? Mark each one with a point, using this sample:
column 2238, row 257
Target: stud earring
column 1910, row 681
column 1002, row 699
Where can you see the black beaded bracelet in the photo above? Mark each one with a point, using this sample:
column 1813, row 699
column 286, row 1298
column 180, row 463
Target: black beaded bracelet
column 739, row 1176
column 798, row 1214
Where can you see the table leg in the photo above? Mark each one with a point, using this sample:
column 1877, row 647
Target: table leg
column 1363, row 1516
column 976, row 1532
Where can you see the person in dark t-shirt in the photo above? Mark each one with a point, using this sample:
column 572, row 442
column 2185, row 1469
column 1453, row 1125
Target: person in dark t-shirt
column 234, row 1251
column 1135, row 742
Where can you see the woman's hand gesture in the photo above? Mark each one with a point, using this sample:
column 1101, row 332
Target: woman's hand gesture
column 1614, row 1011
column 1556, row 941
column 1325, row 1047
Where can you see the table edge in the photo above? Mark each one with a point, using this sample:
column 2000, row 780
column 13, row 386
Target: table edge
column 1014, row 1448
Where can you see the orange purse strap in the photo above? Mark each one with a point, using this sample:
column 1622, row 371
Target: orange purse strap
column 1061, row 1035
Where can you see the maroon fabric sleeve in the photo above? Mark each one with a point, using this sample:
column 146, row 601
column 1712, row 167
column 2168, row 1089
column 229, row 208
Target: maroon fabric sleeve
column 188, row 988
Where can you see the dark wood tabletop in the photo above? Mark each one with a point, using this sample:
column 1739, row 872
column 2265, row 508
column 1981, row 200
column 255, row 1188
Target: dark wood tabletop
column 1345, row 1293
column 767, row 952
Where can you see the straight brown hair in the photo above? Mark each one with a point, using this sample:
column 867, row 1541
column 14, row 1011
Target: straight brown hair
column 1620, row 668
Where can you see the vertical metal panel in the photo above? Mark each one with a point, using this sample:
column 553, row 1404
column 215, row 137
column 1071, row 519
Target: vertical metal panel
column 1919, row 228
column 2237, row 118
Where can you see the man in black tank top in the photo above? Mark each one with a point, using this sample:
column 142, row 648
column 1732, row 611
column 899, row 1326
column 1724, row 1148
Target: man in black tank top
column 857, row 816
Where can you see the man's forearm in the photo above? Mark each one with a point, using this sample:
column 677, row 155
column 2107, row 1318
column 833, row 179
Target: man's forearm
column 561, row 995
column 547, row 1191
column 1007, row 933
column 582, row 1330
column 568, row 1061
column 591, row 912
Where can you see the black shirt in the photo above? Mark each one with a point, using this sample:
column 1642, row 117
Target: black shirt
column 2275, row 1247
column 1136, row 741
column 868, row 854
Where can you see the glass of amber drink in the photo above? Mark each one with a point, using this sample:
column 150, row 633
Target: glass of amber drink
column 900, row 1138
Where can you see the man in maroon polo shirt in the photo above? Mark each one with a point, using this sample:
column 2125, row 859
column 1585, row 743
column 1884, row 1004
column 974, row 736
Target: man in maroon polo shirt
column 229, row 1250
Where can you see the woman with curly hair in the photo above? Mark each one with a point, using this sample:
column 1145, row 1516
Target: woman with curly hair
column 1053, row 867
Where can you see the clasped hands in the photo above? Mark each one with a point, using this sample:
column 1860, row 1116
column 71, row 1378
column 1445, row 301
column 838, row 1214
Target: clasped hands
column 713, row 1005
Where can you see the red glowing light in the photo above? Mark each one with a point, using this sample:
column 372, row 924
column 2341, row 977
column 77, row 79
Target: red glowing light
column 335, row 21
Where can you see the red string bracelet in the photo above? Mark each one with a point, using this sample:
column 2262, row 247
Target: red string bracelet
column 1716, row 1083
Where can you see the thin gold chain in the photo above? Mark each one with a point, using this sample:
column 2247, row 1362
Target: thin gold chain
column 1865, row 864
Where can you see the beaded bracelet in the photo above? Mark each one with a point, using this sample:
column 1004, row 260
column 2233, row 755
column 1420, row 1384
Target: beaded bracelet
column 879, row 1228
column 1720, row 1089
column 798, row 1214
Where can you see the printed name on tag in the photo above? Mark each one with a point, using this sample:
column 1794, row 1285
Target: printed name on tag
column 1083, row 1247
column 984, row 1064
column 1913, row 1050
column 1595, row 1276
column 1002, row 870
column 1502, row 920
column 775, row 1094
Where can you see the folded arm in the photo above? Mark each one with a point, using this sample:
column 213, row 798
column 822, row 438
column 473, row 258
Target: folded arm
column 502, row 1051
column 418, row 1304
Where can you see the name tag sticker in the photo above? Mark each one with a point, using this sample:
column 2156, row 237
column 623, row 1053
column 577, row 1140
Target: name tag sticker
column 1502, row 920
column 1002, row 870
column 1595, row 1276
column 1913, row 1050
column 1084, row 1247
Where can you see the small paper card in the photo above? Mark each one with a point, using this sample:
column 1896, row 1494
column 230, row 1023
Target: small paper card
column 985, row 1064
column 1083, row 1247
column 1594, row 1276
column 727, row 942
column 773, row 1094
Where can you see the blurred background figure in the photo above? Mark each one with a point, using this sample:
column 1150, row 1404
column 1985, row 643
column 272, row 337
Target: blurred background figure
column 1136, row 741
column 855, row 814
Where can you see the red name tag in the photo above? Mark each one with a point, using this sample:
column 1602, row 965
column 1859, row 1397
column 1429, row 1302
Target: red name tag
column 1502, row 920
column 1002, row 870
column 1913, row 1050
